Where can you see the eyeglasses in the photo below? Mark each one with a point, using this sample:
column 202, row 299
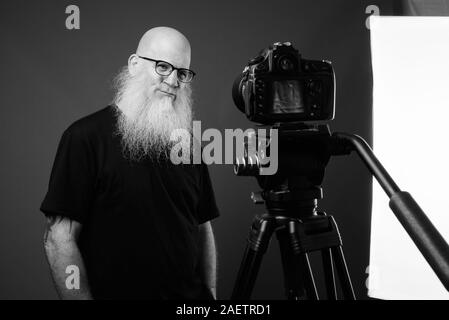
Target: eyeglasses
column 164, row 68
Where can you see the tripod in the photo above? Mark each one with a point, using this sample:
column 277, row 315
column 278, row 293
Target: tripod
column 300, row 229
column 291, row 197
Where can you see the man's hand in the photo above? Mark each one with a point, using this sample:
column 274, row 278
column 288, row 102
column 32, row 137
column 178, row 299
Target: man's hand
column 64, row 257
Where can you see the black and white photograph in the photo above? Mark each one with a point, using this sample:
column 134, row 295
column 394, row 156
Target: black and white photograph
column 224, row 156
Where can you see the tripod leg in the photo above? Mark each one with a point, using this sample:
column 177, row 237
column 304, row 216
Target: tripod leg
column 293, row 282
column 258, row 240
column 306, row 270
column 328, row 267
column 301, row 262
column 343, row 274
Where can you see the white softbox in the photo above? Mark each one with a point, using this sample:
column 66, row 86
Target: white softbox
column 410, row 60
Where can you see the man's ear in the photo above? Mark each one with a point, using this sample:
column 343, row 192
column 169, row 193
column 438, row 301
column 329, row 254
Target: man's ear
column 133, row 64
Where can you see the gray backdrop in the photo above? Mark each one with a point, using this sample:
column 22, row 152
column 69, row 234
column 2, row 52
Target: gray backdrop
column 51, row 76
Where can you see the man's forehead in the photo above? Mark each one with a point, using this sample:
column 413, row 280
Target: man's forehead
column 176, row 55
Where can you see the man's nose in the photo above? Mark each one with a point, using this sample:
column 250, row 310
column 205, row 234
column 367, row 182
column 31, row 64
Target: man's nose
column 172, row 79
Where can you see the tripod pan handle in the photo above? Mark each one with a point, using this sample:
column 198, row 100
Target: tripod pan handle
column 423, row 233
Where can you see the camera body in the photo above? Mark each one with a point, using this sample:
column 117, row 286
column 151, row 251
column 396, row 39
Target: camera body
column 279, row 86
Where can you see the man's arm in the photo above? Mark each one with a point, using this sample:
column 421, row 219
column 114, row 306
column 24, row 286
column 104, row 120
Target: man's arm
column 208, row 257
column 60, row 242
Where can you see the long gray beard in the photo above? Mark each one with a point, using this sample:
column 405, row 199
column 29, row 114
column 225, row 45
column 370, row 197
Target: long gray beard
column 145, row 122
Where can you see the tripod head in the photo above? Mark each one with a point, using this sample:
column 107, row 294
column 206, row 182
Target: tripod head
column 303, row 154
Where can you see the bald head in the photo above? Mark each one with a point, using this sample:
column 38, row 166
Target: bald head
column 168, row 44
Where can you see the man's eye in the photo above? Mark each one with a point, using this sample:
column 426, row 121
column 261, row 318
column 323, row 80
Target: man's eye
column 182, row 75
column 163, row 67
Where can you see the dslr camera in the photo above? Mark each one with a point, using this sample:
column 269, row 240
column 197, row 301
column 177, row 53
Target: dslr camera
column 278, row 86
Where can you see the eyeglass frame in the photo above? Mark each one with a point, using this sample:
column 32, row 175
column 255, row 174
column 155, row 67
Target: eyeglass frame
column 172, row 66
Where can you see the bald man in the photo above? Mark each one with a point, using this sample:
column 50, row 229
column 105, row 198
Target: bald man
column 123, row 221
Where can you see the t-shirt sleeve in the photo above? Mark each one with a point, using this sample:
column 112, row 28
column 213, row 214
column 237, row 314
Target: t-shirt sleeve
column 70, row 190
column 208, row 209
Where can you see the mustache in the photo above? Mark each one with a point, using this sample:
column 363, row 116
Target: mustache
column 167, row 89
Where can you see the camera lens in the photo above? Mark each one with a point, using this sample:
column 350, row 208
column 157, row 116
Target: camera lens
column 285, row 64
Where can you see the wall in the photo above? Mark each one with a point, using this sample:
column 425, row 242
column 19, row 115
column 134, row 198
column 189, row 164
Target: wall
column 51, row 76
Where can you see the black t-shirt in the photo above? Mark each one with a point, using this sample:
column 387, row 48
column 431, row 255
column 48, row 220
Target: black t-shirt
column 140, row 220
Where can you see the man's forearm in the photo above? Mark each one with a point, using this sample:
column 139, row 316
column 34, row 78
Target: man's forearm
column 68, row 271
column 208, row 257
